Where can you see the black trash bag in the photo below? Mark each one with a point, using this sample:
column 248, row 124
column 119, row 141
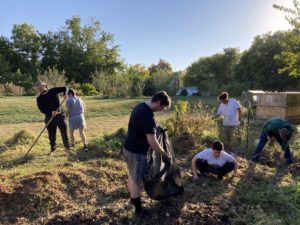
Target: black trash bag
column 162, row 180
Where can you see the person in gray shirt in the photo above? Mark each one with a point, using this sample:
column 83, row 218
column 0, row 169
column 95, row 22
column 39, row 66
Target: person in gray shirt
column 75, row 111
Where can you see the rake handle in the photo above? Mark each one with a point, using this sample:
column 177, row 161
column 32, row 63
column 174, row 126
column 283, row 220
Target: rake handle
column 47, row 124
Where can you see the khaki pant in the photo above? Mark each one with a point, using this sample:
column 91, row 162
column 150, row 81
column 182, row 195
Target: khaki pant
column 228, row 134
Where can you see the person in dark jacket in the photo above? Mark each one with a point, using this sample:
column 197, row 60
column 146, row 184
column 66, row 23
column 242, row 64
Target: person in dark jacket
column 282, row 131
column 142, row 135
column 48, row 104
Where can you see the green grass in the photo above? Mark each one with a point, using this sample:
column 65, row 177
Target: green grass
column 91, row 187
column 24, row 109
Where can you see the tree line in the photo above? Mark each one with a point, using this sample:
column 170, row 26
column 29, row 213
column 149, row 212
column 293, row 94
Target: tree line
column 86, row 57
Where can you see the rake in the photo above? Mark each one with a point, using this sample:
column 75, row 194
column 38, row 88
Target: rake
column 47, row 124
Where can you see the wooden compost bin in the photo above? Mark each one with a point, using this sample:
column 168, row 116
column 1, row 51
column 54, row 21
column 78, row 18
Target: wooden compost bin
column 276, row 104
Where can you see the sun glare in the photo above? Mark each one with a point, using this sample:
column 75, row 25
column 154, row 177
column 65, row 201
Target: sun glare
column 277, row 19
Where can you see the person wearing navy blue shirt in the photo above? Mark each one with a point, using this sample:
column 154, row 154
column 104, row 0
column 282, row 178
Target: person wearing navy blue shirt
column 282, row 131
column 141, row 136
column 48, row 103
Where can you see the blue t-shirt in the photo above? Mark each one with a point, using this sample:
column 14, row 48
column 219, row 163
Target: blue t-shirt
column 140, row 124
column 75, row 106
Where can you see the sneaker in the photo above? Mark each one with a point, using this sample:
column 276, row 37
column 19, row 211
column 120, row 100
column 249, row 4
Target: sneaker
column 85, row 148
column 142, row 213
column 255, row 160
column 220, row 177
column 51, row 153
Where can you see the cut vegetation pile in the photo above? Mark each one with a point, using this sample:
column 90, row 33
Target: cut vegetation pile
column 23, row 137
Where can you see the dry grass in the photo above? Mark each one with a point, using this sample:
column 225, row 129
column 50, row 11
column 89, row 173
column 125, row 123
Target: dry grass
column 90, row 188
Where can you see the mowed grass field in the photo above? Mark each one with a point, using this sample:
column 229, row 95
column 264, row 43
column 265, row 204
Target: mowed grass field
column 90, row 188
column 103, row 115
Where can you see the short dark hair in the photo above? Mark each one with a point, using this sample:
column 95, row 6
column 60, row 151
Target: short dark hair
column 223, row 96
column 218, row 145
column 163, row 97
column 71, row 91
column 286, row 133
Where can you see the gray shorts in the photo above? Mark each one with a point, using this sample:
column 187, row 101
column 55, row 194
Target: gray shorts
column 76, row 122
column 136, row 163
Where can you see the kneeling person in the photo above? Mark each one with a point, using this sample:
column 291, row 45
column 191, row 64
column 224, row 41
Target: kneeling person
column 213, row 160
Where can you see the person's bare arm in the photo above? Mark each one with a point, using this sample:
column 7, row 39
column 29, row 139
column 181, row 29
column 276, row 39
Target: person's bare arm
column 235, row 171
column 216, row 116
column 194, row 168
column 239, row 114
column 154, row 144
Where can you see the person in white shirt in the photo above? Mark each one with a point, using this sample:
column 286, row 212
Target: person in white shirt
column 230, row 109
column 213, row 160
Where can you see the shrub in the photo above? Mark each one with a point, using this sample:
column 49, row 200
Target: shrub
column 52, row 77
column 195, row 125
column 88, row 89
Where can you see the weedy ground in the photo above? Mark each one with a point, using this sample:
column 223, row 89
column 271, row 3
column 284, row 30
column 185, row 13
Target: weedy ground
column 79, row 187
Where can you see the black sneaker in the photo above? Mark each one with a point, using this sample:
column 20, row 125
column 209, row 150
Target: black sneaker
column 255, row 160
column 220, row 177
column 85, row 149
column 142, row 213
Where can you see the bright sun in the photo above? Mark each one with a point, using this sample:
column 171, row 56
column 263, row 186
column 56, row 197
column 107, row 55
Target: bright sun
column 278, row 18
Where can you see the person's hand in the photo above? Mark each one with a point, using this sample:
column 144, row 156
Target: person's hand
column 166, row 159
column 236, row 173
column 66, row 96
column 281, row 157
column 196, row 177
column 54, row 113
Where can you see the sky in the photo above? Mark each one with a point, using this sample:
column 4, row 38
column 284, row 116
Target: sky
column 178, row 31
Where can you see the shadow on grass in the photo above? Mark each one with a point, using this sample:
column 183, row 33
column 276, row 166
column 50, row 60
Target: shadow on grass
column 258, row 197
column 16, row 162
column 108, row 146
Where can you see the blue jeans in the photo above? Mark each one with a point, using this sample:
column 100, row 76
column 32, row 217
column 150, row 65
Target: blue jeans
column 261, row 144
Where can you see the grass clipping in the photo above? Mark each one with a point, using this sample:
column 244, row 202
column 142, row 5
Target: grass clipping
column 23, row 137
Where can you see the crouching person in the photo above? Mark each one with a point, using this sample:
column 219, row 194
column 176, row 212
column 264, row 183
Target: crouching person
column 213, row 160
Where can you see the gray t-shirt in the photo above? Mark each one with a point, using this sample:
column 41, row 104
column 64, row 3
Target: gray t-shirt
column 75, row 105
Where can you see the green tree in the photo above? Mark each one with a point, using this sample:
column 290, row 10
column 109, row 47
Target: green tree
column 258, row 68
column 289, row 58
column 27, row 43
column 161, row 65
column 137, row 75
column 87, row 49
column 7, row 51
column 5, row 73
column 23, row 80
column 213, row 72
column 51, row 46
column 161, row 79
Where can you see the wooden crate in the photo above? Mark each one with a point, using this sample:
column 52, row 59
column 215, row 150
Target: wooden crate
column 276, row 104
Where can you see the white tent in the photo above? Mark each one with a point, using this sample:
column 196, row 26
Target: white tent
column 190, row 90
